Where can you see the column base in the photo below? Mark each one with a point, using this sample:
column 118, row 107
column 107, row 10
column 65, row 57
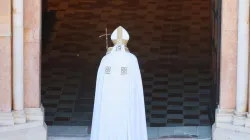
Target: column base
column 247, row 122
column 34, row 114
column 224, row 116
column 239, row 119
column 28, row 131
column 6, row 118
column 230, row 133
column 19, row 117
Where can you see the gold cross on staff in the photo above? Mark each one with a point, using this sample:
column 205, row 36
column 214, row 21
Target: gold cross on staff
column 106, row 34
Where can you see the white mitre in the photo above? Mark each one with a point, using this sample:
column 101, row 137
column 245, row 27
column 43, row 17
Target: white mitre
column 119, row 37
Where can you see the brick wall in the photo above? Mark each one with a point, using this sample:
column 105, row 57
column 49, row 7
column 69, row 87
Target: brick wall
column 175, row 31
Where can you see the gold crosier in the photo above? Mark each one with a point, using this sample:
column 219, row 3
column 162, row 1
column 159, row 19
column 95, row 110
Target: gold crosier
column 106, row 34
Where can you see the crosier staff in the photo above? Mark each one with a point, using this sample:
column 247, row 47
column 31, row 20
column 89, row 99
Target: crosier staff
column 106, row 34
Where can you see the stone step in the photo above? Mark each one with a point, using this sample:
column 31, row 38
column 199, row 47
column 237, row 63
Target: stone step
column 68, row 138
column 88, row 138
column 154, row 133
column 62, row 132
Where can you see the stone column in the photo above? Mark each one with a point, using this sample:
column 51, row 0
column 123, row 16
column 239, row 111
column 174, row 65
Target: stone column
column 228, row 71
column 32, row 40
column 6, row 117
column 230, row 125
column 247, row 123
column 18, row 90
column 242, row 63
column 34, row 129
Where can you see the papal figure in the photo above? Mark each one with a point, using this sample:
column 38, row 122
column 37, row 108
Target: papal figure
column 119, row 111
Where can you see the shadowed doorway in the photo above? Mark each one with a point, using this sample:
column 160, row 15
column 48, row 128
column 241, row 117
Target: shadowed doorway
column 172, row 40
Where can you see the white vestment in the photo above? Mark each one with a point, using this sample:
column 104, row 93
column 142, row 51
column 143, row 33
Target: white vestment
column 119, row 110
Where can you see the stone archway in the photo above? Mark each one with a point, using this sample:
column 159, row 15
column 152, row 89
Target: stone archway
column 21, row 113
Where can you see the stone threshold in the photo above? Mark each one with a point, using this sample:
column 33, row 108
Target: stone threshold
column 154, row 133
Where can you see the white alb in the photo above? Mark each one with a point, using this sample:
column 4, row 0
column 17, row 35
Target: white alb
column 119, row 110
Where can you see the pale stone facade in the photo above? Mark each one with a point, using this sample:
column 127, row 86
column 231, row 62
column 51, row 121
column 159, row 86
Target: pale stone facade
column 21, row 113
column 231, row 116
